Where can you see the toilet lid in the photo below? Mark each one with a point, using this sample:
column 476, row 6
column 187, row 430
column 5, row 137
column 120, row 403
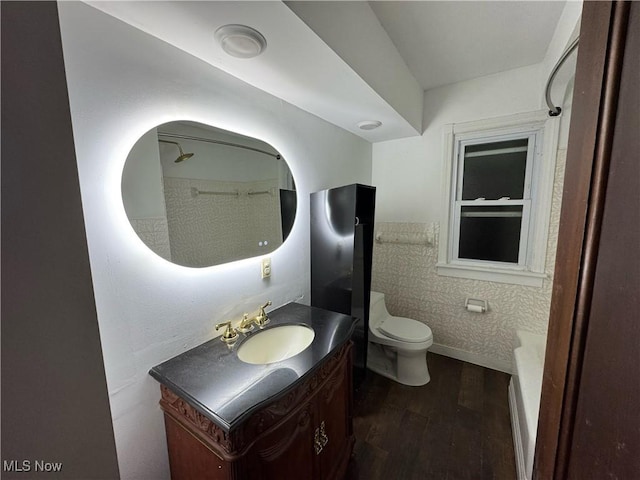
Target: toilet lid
column 405, row 330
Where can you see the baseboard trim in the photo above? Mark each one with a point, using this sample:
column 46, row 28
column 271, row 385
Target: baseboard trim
column 517, row 437
column 471, row 357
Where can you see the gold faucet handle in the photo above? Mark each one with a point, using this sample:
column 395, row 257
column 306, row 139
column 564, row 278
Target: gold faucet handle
column 229, row 335
column 264, row 306
column 262, row 319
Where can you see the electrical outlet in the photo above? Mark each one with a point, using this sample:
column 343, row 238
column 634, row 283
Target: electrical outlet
column 266, row 267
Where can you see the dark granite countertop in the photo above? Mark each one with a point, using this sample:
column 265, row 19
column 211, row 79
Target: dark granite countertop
column 227, row 391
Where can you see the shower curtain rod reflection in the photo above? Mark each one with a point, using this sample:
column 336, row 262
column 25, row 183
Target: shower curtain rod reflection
column 219, row 142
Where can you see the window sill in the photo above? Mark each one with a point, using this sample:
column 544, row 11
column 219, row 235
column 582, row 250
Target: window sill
column 492, row 274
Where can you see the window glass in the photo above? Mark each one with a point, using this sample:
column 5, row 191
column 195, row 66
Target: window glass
column 495, row 170
column 490, row 233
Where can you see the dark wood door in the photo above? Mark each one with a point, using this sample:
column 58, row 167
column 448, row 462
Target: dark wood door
column 606, row 437
column 589, row 423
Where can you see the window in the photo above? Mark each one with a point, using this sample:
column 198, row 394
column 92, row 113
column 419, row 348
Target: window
column 498, row 196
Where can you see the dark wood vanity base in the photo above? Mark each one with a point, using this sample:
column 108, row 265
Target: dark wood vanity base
column 306, row 433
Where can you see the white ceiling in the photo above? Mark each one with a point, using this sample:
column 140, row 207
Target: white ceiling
column 448, row 42
column 441, row 42
column 297, row 66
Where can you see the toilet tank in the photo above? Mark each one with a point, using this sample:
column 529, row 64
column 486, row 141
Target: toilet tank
column 377, row 310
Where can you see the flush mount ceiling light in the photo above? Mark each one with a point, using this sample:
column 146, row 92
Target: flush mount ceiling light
column 241, row 41
column 369, row 124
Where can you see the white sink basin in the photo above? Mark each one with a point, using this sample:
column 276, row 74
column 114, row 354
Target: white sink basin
column 275, row 344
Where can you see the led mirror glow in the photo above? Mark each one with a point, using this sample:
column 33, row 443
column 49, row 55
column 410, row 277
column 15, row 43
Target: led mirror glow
column 200, row 196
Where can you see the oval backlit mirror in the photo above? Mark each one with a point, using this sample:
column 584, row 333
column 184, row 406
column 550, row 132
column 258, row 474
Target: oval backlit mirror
column 200, row 196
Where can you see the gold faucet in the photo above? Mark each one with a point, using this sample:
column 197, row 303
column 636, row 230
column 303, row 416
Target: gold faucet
column 246, row 324
column 261, row 319
column 230, row 335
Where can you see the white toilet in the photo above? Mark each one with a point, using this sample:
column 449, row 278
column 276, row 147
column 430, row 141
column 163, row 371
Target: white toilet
column 397, row 345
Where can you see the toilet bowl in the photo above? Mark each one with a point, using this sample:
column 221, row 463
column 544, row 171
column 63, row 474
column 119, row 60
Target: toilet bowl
column 397, row 345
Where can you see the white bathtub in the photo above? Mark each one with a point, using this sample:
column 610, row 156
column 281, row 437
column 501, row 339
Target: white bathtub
column 524, row 398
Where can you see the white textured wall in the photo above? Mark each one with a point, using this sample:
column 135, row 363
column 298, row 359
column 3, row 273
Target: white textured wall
column 122, row 83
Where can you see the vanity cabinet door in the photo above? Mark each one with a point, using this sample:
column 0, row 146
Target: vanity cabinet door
column 314, row 441
column 286, row 452
column 334, row 421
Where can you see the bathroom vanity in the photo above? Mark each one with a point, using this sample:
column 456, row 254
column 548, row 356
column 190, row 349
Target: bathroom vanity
column 227, row 419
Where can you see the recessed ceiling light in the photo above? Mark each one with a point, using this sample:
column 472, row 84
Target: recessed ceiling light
column 369, row 124
column 241, row 41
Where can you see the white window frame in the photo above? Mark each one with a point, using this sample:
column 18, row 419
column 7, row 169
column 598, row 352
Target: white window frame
column 543, row 132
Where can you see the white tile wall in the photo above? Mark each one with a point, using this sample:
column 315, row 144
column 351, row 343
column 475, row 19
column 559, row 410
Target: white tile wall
column 214, row 229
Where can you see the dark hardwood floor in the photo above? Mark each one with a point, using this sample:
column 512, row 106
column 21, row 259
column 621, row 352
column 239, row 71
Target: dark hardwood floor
column 457, row 427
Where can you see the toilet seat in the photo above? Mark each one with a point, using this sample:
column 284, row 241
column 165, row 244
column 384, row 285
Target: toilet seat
column 405, row 330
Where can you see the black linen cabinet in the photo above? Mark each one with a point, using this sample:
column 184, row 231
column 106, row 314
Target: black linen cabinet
column 342, row 221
